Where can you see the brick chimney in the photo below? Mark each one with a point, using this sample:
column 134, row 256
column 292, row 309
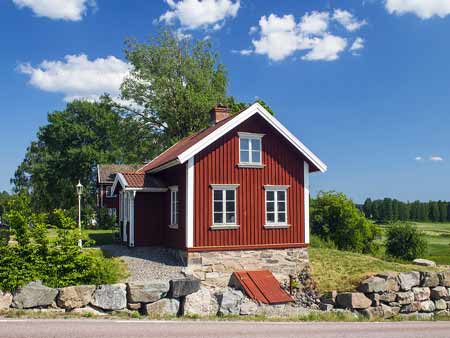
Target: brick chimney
column 219, row 113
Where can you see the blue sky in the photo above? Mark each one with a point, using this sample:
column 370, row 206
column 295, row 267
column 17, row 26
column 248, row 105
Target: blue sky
column 364, row 84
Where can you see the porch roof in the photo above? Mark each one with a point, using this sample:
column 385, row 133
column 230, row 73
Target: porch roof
column 139, row 181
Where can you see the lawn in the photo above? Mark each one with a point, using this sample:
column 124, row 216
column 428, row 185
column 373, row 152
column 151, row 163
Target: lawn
column 342, row 270
column 99, row 236
column 438, row 238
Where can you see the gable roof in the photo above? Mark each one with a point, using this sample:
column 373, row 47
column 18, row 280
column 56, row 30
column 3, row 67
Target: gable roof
column 188, row 147
column 107, row 172
column 138, row 182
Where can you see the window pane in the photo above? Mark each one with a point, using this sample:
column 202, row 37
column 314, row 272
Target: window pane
column 218, row 218
column 230, row 206
column 256, row 157
column 244, row 156
column 230, row 195
column 217, row 195
column 256, row 144
column 281, row 217
column 230, row 218
column 270, row 195
column 244, row 144
column 282, row 206
column 270, row 217
column 281, row 195
column 270, row 206
column 218, row 206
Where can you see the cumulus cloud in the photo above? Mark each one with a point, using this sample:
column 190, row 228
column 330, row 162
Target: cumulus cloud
column 71, row 10
column 281, row 36
column 193, row 14
column 357, row 45
column 347, row 19
column 326, row 48
column 436, row 158
column 419, row 158
column 424, row 9
column 78, row 77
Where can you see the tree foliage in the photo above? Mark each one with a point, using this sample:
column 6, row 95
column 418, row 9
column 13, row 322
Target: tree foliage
column 334, row 217
column 70, row 146
column 175, row 83
column 405, row 241
column 391, row 210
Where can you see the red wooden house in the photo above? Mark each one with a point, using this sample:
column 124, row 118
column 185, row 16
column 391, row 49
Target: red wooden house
column 236, row 189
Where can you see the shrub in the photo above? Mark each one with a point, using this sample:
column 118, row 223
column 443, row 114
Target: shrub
column 320, row 243
column 104, row 219
column 405, row 241
column 335, row 218
column 56, row 263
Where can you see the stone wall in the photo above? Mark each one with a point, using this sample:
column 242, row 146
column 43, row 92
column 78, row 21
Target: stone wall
column 412, row 294
column 216, row 267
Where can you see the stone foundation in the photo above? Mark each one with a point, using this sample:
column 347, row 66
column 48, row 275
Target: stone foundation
column 215, row 267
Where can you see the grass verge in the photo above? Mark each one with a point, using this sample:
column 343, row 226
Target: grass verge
column 343, row 270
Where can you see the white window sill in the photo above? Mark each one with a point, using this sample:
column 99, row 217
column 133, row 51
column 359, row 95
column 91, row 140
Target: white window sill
column 276, row 226
column 224, row 226
column 251, row 165
column 173, row 226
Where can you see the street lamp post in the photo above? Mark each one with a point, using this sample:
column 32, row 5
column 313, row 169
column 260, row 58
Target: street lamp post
column 79, row 192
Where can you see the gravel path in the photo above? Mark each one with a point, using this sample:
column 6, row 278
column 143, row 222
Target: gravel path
column 146, row 263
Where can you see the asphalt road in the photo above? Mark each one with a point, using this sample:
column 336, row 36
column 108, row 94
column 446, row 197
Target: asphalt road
column 37, row 328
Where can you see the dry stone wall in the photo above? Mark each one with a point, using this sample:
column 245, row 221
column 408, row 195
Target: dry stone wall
column 407, row 294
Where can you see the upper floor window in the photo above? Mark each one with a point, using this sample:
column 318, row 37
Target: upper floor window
column 174, row 207
column 108, row 191
column 250, row 145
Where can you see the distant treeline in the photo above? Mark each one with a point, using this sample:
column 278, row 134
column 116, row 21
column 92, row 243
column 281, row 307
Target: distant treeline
column 392, row 210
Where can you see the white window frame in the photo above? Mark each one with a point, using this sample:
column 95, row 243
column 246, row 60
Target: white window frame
column 249, row 137
column 174, row 207
column 276, row 224
column 224, row 188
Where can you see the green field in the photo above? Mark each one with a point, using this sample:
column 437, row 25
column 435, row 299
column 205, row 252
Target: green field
column 438, row 238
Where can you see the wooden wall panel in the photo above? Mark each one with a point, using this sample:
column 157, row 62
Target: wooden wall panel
column 217, row 164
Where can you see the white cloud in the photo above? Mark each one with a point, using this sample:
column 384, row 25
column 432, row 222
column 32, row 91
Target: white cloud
column 347, row 19
column 78, row 77
column 72, row 10
column 424, row 9
column 357, row 45
column 282, row 36
column 314, row 23
column 193, row 14
column 242, row 51
column 419, row 158
column 327, row 48
column 253, row 30
column 436, row 158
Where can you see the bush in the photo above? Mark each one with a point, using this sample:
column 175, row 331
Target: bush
column 335, row 218
column 56, row 263
column 104, row 219
column 405, row 241
column 320, row 243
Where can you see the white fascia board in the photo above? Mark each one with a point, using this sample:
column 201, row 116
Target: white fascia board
column 255, row 108
column 146, row 189
column 119, row 179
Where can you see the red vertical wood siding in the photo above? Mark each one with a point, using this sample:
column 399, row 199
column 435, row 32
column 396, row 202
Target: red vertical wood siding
column 217, row 164
column 174, row 238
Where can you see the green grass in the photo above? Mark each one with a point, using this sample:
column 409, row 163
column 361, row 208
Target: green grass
column 343, row 270
column 438, row 238
column 99, row 236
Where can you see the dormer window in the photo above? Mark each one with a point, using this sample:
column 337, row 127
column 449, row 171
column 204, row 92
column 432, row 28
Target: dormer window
column 250, row 146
